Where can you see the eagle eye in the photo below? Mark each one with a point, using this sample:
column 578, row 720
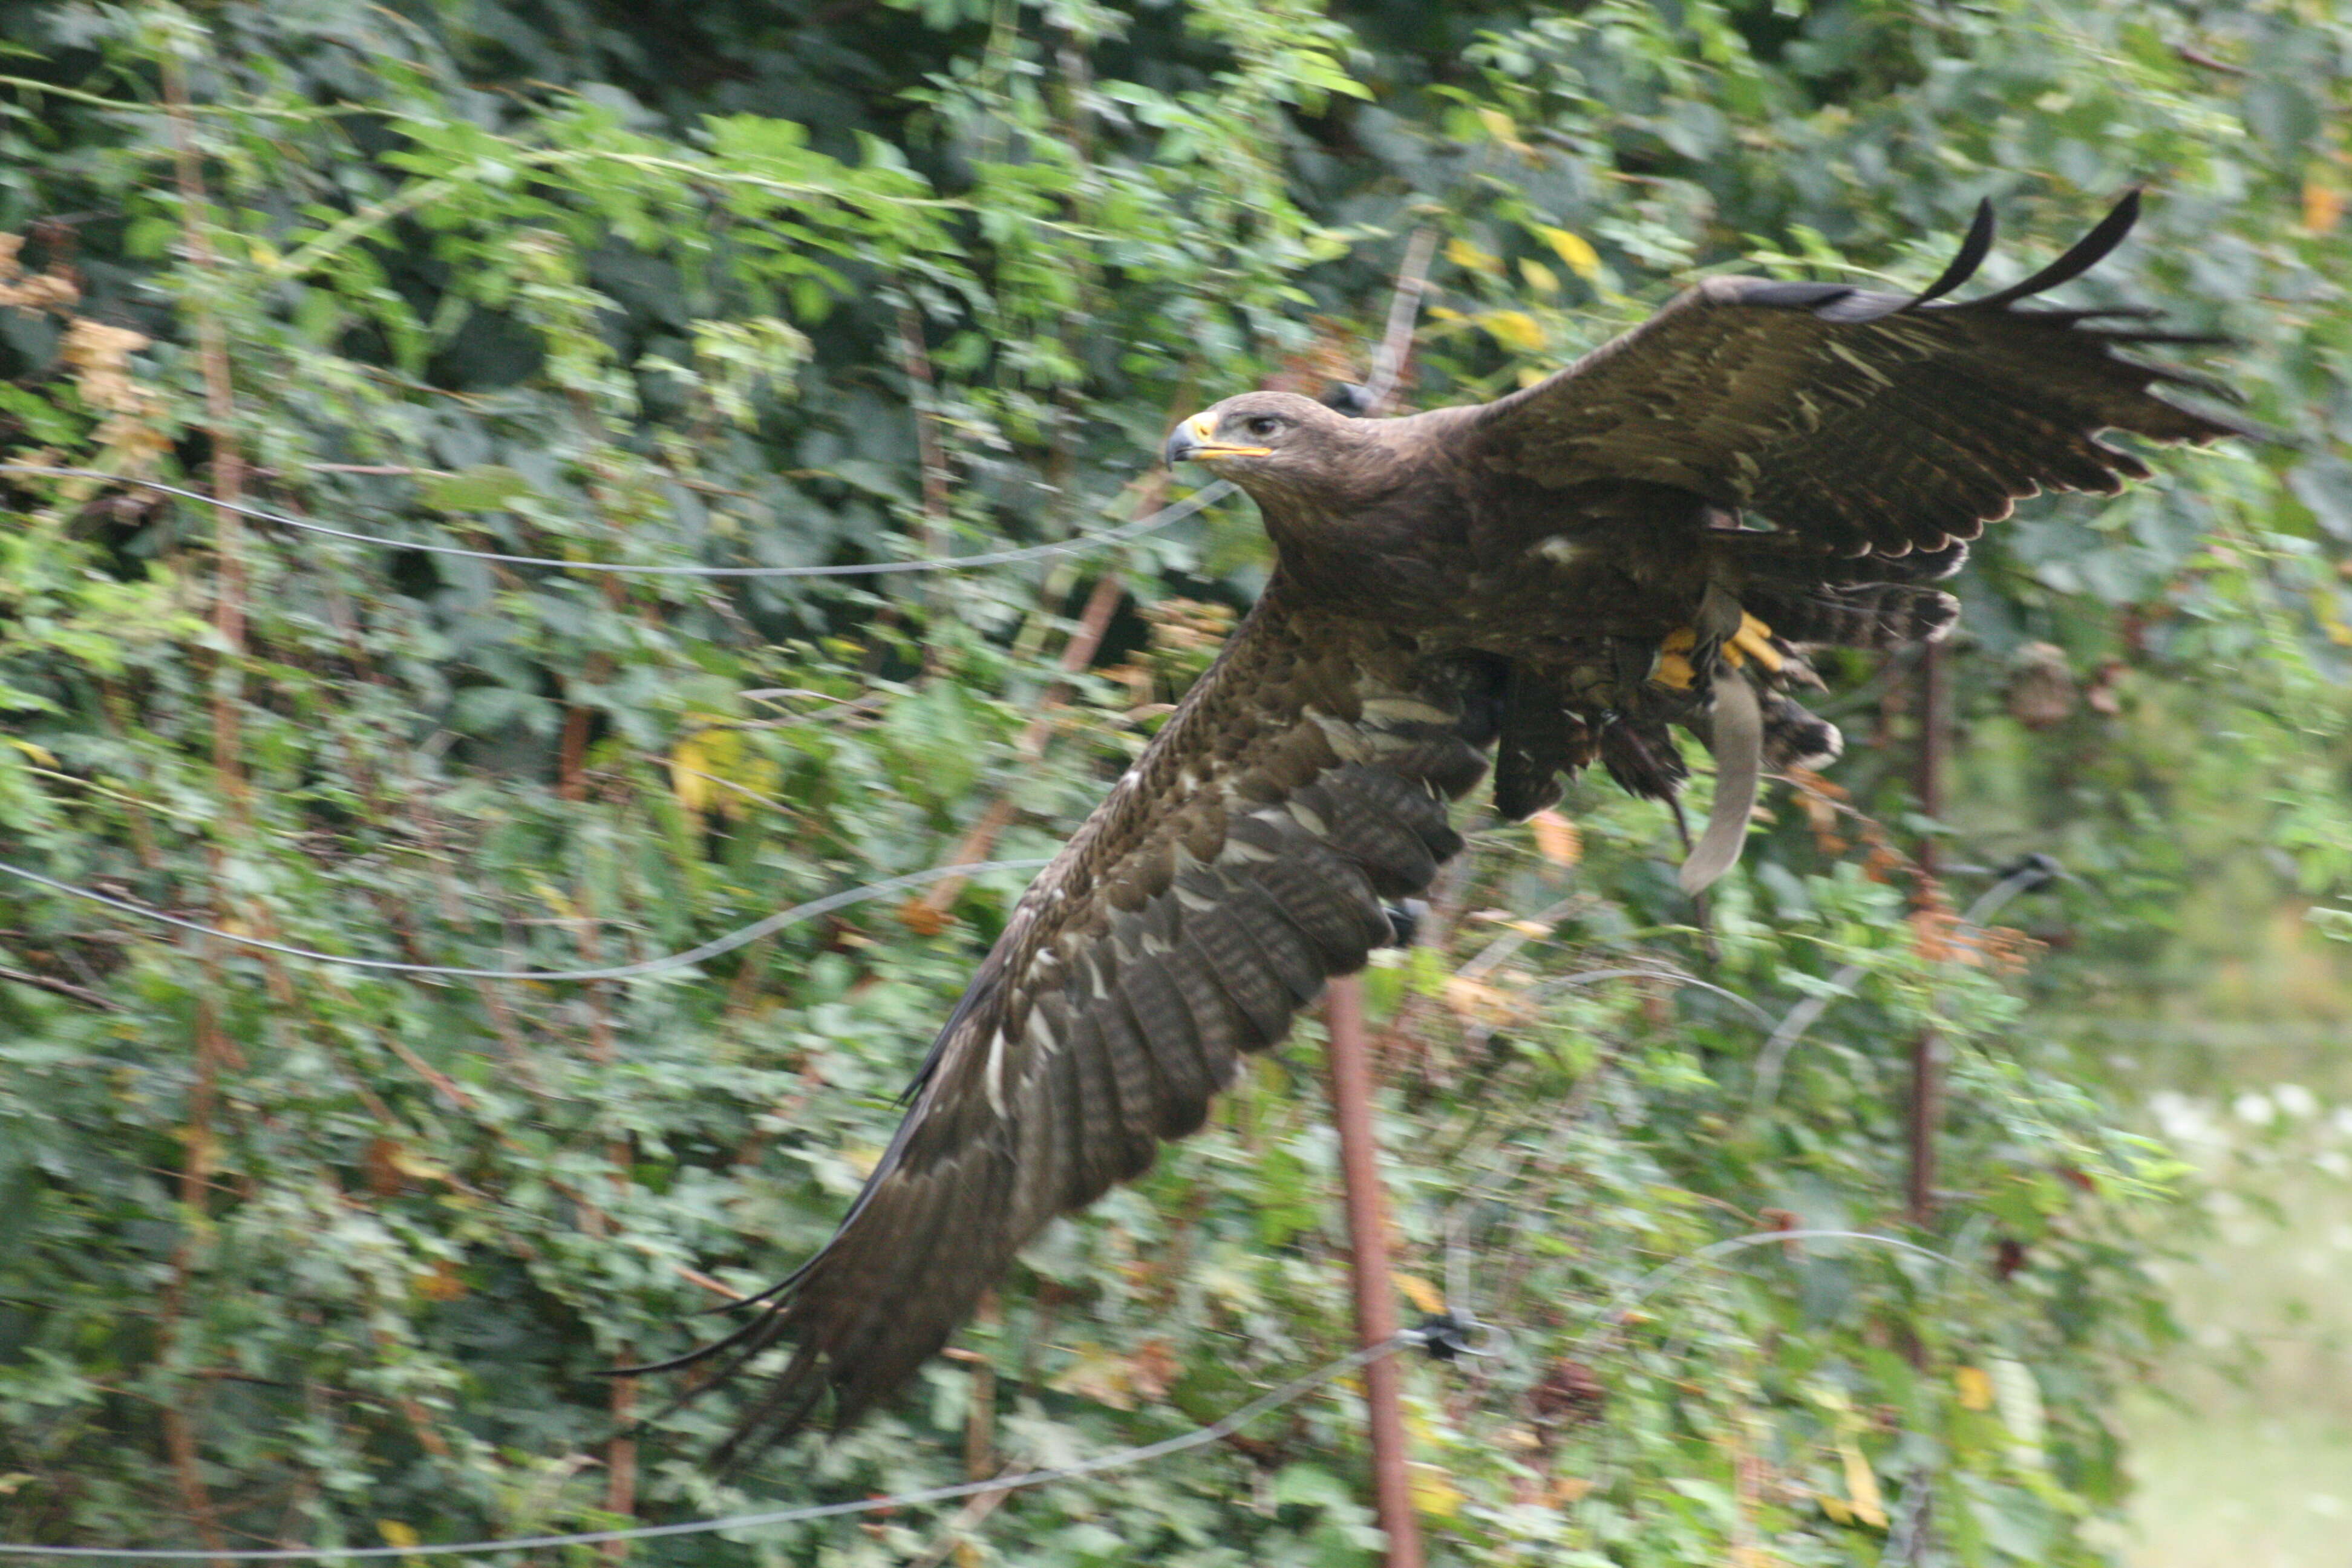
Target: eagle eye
column 1263, row 427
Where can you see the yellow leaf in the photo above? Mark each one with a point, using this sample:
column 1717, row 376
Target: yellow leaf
column 1574, row 249
column 1540, row 278
column 2323, row 207
column 717, row 769
column 1418, row 1291
column 40, row 754
column 1462, row 252
column 395, row 1533
column 690, row 774
column 2323, row 607
column 1515, row 329
column 411, row 1163
column 1531, row 374
column 1975, row 1387
column 1557, row 837
column 1498, row 126
column 1434, row 1493
column 1861, row 1484
column 1834, row 1507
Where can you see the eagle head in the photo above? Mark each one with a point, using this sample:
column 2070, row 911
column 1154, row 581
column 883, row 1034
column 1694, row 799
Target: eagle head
column 1325, row 483
column 1262, row 439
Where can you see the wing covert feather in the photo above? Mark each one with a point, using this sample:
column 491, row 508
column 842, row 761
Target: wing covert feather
column 1238, row 865
column 1868, row 423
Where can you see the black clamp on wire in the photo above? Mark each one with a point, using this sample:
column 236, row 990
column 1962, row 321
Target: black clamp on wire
column 2032, row 872
column 1446, row 1335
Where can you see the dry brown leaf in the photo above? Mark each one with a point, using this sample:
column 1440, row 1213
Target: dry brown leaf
column 1151, row 1368
column 1558, row 839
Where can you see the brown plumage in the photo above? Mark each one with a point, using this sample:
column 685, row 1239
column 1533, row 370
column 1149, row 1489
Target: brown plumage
column 1566, row 571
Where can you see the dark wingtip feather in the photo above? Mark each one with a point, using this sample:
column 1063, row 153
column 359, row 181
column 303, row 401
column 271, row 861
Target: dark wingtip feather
column 753, row 1330
column 783, row 1411
column 1795, row 296
column 1974, row 248
column 2087, row 253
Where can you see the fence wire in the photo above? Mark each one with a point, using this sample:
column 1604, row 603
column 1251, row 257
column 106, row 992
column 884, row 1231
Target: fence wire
column 692, row 955
column 1207, row 495
column 1609, row 1318
column 1295, row 1389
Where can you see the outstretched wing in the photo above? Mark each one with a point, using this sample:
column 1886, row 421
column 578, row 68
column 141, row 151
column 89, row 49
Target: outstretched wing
column 1869, row 423
column 1241, row 862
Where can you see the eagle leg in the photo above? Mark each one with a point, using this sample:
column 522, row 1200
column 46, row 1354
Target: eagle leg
column 1734, row 660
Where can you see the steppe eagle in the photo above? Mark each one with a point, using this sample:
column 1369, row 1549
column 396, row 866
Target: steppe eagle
column 1649, row 537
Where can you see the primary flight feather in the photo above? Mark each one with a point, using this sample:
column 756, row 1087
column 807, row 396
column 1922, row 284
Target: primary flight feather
column 1553, row 578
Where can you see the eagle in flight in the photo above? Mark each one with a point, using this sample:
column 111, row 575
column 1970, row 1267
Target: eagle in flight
column 1648, row 538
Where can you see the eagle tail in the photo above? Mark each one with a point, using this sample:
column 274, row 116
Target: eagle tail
column 1877, row 616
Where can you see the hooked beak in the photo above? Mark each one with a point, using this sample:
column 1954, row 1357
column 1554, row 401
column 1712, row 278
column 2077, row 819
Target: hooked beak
column 1196, row 441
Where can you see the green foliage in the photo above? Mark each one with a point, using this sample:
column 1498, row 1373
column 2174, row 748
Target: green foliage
column 295, row 1254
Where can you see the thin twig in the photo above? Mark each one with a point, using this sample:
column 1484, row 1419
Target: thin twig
column 1405, row 311
column 1076, row 655
column 968, row 1517
column 925, row 400
column 63, row 988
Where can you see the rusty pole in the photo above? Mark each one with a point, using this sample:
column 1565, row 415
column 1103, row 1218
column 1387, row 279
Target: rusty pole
column 1926, row 1091
column 1368, row 1243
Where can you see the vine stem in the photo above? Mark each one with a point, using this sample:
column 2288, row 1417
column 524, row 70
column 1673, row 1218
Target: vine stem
column 213, row 1048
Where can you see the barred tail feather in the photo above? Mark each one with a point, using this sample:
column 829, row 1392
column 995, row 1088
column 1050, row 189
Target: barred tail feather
column 1877, row 616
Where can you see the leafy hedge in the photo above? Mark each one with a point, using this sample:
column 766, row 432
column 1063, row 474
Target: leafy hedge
column 299, row 1253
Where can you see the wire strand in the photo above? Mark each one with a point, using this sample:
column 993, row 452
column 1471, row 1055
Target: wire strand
column 710, row 949
column 1612, row 1317
column 1297, row 1388
column 1207, row 495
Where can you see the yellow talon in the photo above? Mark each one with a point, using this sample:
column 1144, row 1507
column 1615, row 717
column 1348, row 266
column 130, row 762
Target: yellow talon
column 1752, row 640
column 1672, row 664
column 1673, row 670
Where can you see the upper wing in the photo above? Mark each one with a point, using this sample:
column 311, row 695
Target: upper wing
column 1241, row 862
column 1868, row 421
